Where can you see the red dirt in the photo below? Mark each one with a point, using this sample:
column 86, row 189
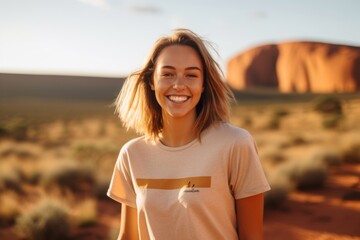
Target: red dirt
column 321, row 214
column 314, row 215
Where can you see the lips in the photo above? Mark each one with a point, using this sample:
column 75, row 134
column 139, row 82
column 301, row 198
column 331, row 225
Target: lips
column 178, row 99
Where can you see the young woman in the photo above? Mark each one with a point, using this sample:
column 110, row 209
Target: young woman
column 192, row 175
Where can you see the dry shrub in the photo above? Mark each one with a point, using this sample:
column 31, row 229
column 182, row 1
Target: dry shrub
column 294, row 141
column 92, row 152
column 351, row 152
column 328, row 105
column 280, row 188
column 16, row 151
column 330, row 157
column 331, row 120
column 30, row 172
column 332, row 110
column 306, row 174
column 353, row 195
column 68, row 175
column 16, row 128
column 273, row 155
column 10, row 178
column 247, row 121
column 47, row 220
column 9, row 208
column 85, row 213
column 102, row 185
column 275, row 118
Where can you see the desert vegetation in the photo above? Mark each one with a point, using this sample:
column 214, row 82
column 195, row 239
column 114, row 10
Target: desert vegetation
column 55, row 165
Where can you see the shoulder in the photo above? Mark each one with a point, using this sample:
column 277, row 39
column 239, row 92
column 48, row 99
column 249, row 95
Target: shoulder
column 131, row 147
column 134, row 144
column 229, row 132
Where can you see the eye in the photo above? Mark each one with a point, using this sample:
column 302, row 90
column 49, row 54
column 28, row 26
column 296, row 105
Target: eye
column 167, row 74
column 192, row 76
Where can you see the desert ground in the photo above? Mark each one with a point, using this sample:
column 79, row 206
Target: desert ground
column 56, row 160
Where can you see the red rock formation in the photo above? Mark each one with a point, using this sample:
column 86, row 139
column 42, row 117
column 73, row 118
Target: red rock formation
column 297, row 67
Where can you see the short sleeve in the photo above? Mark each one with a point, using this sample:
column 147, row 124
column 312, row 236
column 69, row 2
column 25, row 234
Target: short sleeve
column 246, row 175
column 121, row 187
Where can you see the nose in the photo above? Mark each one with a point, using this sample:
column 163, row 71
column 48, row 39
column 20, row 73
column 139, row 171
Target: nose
column 179, row 83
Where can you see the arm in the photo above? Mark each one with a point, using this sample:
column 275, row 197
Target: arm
column 249, row 214
column 128, row 225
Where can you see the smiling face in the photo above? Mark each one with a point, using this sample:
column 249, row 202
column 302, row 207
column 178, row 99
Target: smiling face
column 178, row 82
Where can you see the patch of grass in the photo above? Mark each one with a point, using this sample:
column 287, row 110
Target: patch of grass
column 47, row 220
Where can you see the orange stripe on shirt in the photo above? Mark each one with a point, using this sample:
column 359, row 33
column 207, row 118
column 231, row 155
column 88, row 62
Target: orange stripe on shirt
column 174, row 183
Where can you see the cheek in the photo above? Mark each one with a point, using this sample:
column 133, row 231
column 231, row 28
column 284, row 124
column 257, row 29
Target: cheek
column 198, row 86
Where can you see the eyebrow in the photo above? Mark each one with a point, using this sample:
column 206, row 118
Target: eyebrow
column 188, row 68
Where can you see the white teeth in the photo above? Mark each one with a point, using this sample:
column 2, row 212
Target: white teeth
column 178, row 98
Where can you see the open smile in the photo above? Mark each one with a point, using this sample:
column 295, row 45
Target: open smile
column 178, row 99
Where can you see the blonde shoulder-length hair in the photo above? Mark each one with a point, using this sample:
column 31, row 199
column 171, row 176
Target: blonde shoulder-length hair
column 136, row 104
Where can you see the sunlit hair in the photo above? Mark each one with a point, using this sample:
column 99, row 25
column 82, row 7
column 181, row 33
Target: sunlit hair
column 138, row 108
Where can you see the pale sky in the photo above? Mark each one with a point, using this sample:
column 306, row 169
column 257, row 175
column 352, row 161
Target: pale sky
column 113, row 37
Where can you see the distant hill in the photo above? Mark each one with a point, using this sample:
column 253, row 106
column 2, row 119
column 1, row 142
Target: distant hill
column 23, row 86
column 297, row 66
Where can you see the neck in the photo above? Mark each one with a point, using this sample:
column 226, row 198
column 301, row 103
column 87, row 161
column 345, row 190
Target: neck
column 178, row 132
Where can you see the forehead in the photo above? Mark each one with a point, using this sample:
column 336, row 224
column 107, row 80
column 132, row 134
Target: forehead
column 179, row 56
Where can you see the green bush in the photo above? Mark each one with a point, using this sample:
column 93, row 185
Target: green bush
column 48, row 220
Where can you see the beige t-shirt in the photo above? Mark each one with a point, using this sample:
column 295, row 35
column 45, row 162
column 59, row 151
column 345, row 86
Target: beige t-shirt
column 189, row 192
